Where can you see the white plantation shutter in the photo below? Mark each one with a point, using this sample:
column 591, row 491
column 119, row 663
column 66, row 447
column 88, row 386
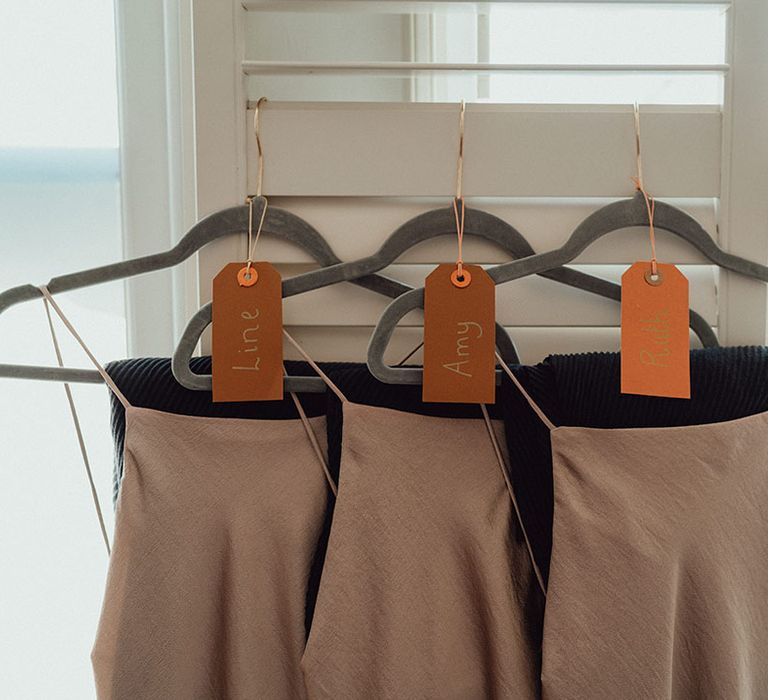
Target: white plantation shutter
column 360, row 134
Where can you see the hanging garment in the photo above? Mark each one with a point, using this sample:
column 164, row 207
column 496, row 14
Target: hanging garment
column 658, row 584
column 361, row 387
column 428, row 583
column 585, row 390
column 148, row 382
column 217, row 526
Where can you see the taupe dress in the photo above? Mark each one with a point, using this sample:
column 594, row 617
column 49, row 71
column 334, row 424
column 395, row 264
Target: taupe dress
column 217, row 527
column 428, row 582
column 658, row 584
column 216, row 530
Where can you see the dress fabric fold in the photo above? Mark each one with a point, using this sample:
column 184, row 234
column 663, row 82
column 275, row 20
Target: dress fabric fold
column 658, row 573
column 427, row 586
column 658, row 584
column 148, row 382
column 217, row 528
column 584, row 390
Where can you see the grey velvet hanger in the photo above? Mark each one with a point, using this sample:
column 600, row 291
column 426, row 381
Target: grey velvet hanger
column 234, row 220
column 421, row 228
column 417, row 230
column 613, row 217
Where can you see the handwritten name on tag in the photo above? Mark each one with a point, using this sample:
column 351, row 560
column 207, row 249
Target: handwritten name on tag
column 459, row 337
column 247, row 338
column 655, row 359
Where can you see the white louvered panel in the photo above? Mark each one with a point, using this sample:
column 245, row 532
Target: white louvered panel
column 358, row 170
column 356, row 226
column 406, row 68
column 533, row 344
column 588, row 161
column 399, row 149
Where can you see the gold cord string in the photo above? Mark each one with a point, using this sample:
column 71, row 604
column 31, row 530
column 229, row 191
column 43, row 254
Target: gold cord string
column 640, row 185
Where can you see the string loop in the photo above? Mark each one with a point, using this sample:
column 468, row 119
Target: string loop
column 253, row 240
column 460, row 278
column 48, row 299
column 460, row 162
column 460, row 272
column 259, row 194
column 650, row 203
column 257, row 132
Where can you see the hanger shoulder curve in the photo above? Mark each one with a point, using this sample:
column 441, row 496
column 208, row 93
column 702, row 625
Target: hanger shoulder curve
column 627, row 213
column 230, row 221
column 225, row 222
column 419, row 229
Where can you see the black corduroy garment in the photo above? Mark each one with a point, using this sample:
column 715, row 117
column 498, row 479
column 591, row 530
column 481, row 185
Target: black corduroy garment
column 585, row 390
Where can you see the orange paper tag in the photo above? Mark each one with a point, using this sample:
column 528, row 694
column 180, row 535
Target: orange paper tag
column 247, row 341
column 459, row 336
column 655, row 358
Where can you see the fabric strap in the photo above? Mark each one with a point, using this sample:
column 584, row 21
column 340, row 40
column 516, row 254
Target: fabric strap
column 307, row 425
column 107, row 379
column 543, row 416
column 503, row 467
column 315, row 444
column 78, row 429
column 315, row 367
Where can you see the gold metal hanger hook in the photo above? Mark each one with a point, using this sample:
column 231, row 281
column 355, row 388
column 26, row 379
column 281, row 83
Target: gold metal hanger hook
column 460, row 276
column 460, row 161
column 252, row 241
column 638, row 150
column 257, row 132
column 650, row 203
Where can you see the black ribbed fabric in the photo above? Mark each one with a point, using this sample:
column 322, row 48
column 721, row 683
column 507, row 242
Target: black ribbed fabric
column 584, row 390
